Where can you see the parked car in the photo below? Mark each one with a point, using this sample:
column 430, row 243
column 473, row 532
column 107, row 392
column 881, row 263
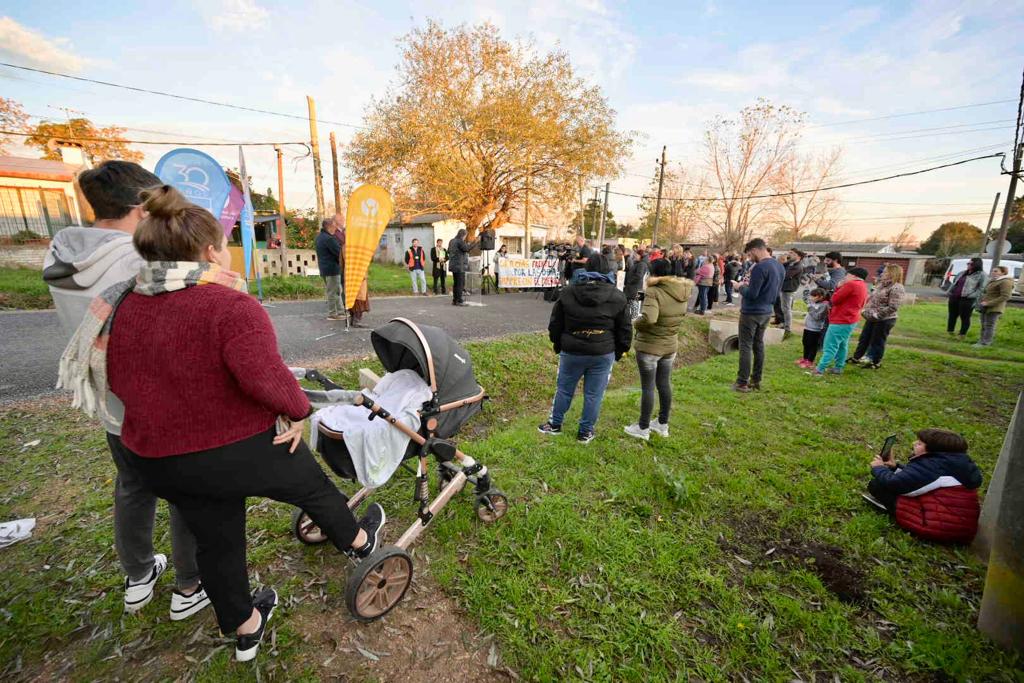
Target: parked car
column 959, row 265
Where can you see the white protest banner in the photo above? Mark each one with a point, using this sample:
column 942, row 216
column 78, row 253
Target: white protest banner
column 524, row 273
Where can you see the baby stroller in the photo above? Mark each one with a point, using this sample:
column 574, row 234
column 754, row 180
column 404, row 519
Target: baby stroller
column 378, row 583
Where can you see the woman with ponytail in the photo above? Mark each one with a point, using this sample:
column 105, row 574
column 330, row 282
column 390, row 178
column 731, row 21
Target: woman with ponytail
column 212, row 414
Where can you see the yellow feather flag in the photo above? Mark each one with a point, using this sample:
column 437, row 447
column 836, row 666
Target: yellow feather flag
column 369, row 210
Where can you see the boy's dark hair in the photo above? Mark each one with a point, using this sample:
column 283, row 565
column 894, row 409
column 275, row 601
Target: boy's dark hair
column 942, row 441
column 857, row 271
column 661, row 268
column 819, row 292
column 756, row 243
column 834, row 255
column 597, row 263
column 114, row 187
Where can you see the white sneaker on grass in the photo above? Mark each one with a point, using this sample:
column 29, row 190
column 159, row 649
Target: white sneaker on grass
column 660, row 429
column 183, row 606
column 635, row 431
column 138, row 594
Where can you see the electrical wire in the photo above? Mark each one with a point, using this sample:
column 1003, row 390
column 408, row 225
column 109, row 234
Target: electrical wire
column 177, row 97
column 911, row 113
column 165, row 142
column 817, row 189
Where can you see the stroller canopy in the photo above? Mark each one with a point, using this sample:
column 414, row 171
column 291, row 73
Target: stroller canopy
column 403, row 345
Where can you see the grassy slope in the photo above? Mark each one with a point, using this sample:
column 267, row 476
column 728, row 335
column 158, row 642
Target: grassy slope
column 24, row 287
column 715, row 554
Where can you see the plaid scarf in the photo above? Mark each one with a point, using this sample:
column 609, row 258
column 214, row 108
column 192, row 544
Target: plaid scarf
column 83, row 366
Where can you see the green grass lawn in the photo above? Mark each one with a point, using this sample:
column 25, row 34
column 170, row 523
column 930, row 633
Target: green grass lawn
column 23, row 288
column 737, row 548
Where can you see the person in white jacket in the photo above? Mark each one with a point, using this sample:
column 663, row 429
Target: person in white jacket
column 80, row 264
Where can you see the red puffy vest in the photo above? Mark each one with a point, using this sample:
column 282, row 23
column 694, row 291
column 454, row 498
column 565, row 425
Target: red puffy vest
column 946, row 515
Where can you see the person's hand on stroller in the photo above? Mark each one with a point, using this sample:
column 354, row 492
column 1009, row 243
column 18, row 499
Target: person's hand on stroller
column 288, row 430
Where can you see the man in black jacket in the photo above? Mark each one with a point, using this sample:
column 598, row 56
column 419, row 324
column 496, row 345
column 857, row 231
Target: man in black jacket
column 328, row 260
column 590, row 330
column 458, row 263
column 439, row 259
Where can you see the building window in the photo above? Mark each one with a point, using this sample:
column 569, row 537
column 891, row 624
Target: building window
column 33, row 212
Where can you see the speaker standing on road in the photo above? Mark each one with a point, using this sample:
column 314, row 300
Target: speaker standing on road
column 458, row 255
column 328, row 260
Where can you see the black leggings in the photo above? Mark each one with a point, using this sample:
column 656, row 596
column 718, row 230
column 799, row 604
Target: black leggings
column 655, row 372
column 812, row 342
column 209, row 488
column 960, row 308
column 458, row 285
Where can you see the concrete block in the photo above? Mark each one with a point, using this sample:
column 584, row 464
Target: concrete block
column 723, row 335
column 367, row 378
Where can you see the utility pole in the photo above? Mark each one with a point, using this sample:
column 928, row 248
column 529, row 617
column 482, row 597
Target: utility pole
column 597, row 203
column 657, row 204
column 334, row 161
column 283, row 234
column 583, row 207
column 1008, row 207
column 318, row 177
column 526, row 213
column 988, row 228
column 604, row 214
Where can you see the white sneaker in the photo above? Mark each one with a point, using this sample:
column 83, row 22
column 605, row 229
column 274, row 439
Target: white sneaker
column 660, row 429
column 183, row 606
column 635, row 431
column 138, row 595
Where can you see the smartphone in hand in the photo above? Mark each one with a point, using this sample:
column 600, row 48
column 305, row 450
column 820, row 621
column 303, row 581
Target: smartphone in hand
column 886, row 454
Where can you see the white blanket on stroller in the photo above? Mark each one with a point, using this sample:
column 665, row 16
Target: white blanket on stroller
column 377, row 447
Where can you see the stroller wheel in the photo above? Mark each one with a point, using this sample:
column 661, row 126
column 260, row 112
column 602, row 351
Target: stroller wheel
column 491, row 506
column 378, row 583
column 305, row 529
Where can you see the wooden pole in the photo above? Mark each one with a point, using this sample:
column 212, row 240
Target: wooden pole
column 283, row 233
column 988, row 228
column 334, row 161
column 318, row 177
column 526, row 215
column 657, row 205
column 1008, row 205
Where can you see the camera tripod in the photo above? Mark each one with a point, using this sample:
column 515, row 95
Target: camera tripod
column 487, row 284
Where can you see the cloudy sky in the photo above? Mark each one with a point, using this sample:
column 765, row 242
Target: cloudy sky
column 863, row 73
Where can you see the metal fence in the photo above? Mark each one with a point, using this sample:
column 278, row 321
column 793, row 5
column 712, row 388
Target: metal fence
column 39, row 211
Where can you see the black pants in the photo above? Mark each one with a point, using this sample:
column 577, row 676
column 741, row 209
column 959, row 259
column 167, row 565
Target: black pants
column 872, row 339
column 210, row 487
column 960, row 308
column 655, row 372
column 751, row 339
column 883, row 495
column 440, row 276
column 728, row 291
column 812, row 342
column 458, row 285
column 780, row 316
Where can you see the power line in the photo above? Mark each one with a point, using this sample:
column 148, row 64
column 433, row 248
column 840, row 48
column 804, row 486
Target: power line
column 911, row 113
column 194, row 143
column 817, row 189
column 177, row 97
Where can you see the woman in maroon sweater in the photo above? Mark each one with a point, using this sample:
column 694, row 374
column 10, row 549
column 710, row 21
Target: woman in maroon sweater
column 196, row 364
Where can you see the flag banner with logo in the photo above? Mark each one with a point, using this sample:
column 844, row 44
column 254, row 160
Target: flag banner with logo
column 232, row 210
column 248, row 225
column 196, row 175
column 369, row 210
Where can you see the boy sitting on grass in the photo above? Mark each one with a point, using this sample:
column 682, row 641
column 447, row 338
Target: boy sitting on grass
column 935, row 495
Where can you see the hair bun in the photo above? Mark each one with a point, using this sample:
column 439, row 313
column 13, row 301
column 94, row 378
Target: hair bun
column 164, row 202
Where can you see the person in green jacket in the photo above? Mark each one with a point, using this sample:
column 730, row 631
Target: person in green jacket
column 656, row 342
column 993, row 302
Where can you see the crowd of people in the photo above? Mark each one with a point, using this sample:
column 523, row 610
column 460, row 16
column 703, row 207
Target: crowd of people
column 152, row 280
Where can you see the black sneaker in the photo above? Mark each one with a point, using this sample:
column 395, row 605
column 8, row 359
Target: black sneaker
column 548, row 428
column 585, row 437
column 265, row 602
column 372, row 522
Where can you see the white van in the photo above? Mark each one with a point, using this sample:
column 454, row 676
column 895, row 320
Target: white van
column 959, row 265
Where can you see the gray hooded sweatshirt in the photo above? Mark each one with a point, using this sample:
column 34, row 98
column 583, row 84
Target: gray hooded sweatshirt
column 80, row 264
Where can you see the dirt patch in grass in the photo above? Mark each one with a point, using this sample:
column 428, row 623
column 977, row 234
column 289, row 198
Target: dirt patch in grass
column 426, row 639
column 841, row 578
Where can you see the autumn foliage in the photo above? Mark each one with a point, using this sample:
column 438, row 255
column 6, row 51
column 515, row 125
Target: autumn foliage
column 476, row 119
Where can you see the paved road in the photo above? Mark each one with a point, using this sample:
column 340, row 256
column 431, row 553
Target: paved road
column 31, row 342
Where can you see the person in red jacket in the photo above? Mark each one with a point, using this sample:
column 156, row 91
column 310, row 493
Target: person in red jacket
column 935, row 495
column 847, row 303
column 194, row 359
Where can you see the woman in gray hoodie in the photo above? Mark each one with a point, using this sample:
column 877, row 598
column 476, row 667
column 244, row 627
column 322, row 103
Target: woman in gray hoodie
column 963, row 295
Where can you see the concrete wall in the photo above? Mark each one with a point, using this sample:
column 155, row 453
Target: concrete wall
column 25, row 256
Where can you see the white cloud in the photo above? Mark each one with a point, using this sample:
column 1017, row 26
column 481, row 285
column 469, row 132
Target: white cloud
column 28, row 47
column 238, row 15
